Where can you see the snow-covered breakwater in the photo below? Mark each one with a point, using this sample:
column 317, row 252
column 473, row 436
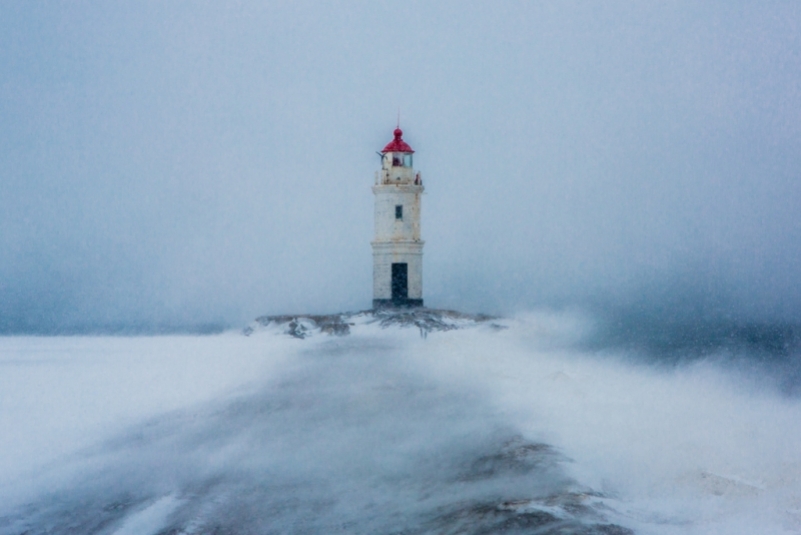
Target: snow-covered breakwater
column 505, row 426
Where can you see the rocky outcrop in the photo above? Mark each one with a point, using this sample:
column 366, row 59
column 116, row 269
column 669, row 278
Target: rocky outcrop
column 425, row 320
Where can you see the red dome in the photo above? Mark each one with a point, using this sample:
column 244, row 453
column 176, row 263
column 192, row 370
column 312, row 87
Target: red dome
column 397, row 144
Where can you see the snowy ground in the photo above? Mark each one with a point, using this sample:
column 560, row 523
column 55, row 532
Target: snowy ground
column 500, row 426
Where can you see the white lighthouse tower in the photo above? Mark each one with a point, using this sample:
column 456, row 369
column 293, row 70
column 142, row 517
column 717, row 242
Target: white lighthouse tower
column 397, row 247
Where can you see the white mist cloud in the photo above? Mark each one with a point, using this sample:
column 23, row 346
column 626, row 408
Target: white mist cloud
column 693, row 449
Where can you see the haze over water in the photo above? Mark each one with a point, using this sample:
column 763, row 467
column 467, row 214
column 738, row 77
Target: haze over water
column 190, row 166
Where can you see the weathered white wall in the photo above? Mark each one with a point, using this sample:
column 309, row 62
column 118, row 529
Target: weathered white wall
column 384, row 255
column 387, row 228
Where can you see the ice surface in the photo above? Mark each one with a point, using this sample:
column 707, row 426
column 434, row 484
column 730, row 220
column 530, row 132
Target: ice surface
column 501, row 426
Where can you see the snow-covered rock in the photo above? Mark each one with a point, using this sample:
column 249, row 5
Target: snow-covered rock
column 426, row 320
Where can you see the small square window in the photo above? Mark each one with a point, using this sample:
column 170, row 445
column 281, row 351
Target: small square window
column 399, row 211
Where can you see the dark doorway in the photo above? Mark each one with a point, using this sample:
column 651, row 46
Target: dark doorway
column 400, row 282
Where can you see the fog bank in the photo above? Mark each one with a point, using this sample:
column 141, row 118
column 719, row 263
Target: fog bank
column 170, row 166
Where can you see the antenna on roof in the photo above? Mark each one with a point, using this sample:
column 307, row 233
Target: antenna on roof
column 398, row 118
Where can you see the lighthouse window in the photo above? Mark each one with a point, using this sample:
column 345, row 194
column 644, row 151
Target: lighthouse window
column 399, row 212
column 407, row 160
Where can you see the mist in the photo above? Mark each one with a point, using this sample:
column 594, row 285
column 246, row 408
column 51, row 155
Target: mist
column 169, row 167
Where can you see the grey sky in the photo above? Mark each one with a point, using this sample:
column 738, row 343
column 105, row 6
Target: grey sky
column 177, row 163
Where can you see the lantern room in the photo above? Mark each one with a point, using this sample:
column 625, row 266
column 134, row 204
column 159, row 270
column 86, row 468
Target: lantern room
column 397, row 166
column 397, row 153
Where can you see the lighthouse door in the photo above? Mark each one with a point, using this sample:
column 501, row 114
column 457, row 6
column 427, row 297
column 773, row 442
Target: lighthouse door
column 400, row 282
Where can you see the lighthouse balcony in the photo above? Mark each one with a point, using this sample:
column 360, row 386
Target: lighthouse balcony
column 398, row 176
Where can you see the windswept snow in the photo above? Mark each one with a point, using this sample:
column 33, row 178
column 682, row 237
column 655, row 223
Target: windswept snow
column 484, row 426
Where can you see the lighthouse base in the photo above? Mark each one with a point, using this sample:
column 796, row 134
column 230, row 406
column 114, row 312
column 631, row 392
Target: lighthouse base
column 397, row 303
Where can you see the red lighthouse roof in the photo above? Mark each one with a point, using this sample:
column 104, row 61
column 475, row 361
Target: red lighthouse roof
column 397, row 144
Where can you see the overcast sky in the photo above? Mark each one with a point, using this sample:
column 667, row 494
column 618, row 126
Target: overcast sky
column 175, row 163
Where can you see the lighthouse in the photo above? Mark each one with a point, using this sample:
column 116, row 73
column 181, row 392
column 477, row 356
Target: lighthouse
column 397, row 247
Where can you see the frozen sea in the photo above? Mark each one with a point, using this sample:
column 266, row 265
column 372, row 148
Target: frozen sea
column 521, row 425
